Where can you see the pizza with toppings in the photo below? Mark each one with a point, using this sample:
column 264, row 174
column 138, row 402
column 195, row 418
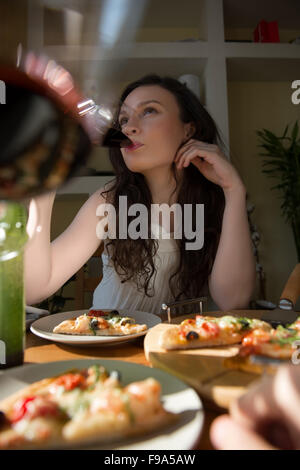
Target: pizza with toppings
column 100, row 323
column 205, row 331
column 81, row 407
column 278, row 344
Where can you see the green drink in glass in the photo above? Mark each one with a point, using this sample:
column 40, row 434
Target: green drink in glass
column 13, row 237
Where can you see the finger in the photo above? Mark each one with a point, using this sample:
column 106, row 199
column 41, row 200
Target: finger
column 187, row 157
column 184, row 160
column 195, row 144
column 199, row 163
column 207, row 155
column 226, row 434
column 269, row 397
column 273, row 399
column 181, row 151
column 253, row 405
column 200, row 143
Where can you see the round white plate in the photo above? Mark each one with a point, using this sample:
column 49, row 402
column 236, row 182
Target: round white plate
column 44, row 328
column 177, row 397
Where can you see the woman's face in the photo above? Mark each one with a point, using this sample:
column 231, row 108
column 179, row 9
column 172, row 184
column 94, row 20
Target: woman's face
column 150, row 118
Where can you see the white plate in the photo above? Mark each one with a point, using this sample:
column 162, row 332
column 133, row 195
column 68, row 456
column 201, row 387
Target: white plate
column 44, row 328
column 176, row 395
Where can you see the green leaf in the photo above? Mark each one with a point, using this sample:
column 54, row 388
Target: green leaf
column 281, row 161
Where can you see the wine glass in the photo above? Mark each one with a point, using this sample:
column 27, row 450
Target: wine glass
column 14, row 234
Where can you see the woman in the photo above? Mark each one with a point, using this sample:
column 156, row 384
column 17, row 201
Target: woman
column 175, row 158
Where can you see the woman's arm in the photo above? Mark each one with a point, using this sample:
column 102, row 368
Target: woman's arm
column 49, row 265
column 232, row 279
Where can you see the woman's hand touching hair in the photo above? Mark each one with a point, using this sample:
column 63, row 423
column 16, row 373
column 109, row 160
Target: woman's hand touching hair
column 211, row 162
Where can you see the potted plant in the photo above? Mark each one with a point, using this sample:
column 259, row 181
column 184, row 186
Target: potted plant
column 282, row 162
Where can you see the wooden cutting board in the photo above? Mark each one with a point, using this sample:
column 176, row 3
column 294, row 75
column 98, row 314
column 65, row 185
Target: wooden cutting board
column 202, row 368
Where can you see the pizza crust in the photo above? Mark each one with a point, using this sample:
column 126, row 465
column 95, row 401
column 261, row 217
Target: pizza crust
column 112, row 430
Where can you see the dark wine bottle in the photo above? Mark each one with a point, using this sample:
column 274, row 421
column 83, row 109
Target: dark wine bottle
column 44, row 140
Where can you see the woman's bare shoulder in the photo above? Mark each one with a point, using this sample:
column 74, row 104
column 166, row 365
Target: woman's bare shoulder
column 103, row 195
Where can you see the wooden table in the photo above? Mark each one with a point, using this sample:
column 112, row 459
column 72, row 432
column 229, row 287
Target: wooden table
column 39, row 350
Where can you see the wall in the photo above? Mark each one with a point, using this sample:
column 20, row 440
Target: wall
column 65, row 209
column 253, row 106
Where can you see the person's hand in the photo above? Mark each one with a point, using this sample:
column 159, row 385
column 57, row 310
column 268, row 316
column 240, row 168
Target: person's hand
column 267, row 417
column 211, row 162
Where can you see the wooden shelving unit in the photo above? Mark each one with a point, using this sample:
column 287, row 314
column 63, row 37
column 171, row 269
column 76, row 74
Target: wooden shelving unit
column 206, row 52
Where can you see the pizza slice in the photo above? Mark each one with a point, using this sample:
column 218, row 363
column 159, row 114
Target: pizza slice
column 100, row 323
column 81, row 407
column 205, row 331
column 278, row 344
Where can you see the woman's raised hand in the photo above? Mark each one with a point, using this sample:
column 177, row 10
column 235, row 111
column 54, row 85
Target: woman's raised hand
column 211, row 162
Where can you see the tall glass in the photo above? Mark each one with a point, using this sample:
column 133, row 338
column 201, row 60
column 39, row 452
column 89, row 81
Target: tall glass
column 13, row 237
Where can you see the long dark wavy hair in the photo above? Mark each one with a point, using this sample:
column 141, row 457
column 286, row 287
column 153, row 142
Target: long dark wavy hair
column 134, row 259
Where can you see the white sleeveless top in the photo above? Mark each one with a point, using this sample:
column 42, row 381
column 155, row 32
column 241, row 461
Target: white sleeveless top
column 112, row 294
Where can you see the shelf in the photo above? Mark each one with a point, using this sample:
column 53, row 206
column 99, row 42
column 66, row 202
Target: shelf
column 245, row 61
column 262, row 62
column 164, row 50
column 171, row 14
column 135, row 68
column 262, row 69
column 180, row 49
column 262, row 50
column 241, row 14
column 212, row 59
column 167, row 20
column 172, row 59
column 163, row 21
